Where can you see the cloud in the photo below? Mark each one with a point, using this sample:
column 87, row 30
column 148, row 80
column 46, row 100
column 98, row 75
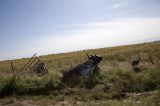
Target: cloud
column 118, row 5
column 104, row 34
column 97, row 35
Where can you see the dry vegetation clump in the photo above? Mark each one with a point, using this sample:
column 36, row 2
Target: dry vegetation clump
column 30, row 85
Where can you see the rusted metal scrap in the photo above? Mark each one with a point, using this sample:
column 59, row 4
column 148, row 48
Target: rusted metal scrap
column 35, row 65
column 85, row 69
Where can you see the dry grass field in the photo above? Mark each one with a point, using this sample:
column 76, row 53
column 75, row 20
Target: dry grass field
column 118, row 84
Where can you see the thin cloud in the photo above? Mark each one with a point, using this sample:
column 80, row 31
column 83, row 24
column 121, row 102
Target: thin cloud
column 96, row 35
column 118, row 5
column 103, row 34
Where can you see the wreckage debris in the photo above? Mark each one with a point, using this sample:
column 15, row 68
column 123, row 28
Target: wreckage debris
column 35, row 65
column 85, row 69
column 136, row 61
column 135, row 64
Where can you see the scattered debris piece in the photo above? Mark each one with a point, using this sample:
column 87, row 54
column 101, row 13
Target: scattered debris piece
column 136, row 61
column 35, row 65
column 85, row 70
column 135, row 64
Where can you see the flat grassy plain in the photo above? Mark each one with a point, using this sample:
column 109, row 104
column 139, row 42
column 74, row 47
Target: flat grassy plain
column 118, row 84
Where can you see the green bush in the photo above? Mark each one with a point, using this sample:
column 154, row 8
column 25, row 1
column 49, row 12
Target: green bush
column 123, row 81
column 29, row 84
column 148, row 80
column 7, row 86
column 94, row 78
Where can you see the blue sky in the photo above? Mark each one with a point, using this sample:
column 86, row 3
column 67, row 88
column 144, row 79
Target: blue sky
column 55, row 26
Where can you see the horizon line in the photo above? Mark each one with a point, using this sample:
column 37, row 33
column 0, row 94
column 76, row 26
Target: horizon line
column 42, row 55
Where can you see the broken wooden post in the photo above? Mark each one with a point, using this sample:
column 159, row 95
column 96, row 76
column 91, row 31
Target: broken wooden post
column 13, row 70
column 12, row 67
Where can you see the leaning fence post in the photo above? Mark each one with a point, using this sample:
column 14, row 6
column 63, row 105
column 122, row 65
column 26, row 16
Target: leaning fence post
column 12, row 67
column 13, row 70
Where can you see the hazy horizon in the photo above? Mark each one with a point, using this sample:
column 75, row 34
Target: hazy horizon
column 149, row 41
column 50, row 27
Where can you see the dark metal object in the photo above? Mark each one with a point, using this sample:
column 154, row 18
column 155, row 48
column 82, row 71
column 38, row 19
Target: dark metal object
column 85, row 69
column 40, row 68
column 136, row 62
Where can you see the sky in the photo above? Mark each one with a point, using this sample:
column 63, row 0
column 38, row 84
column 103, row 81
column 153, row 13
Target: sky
column 59, row 26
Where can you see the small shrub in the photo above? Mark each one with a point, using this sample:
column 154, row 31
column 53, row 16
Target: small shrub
column 148, row 80
column 29, row 84
column 94, row 78
column 7, row 86
column 123, row 81
column 97, row 95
